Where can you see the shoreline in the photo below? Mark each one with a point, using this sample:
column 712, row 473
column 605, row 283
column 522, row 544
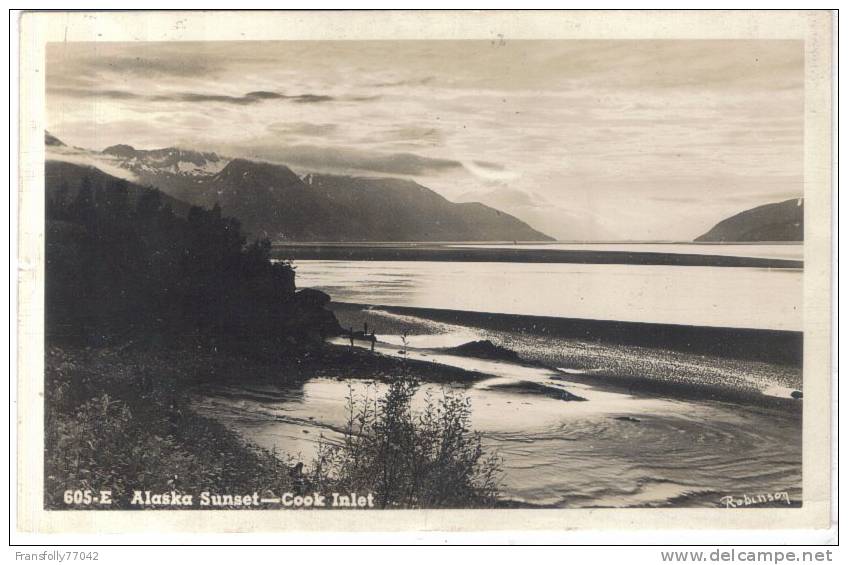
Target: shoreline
column 782, row 347
column 204, row 453
column 104, row 406
column 399, row 252
column 648, row 367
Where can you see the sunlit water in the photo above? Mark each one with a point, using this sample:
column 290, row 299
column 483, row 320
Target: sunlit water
column 738, row 297
column 610, row 362
column 613, row 449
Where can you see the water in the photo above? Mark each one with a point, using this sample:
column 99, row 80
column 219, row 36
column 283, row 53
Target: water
column 618, row 448
column 739, row 297
column 614, row 449
column 612, row 362
column 789, row 251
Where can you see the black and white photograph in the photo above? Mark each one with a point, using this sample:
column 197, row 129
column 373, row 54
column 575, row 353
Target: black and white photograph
column 492, row 273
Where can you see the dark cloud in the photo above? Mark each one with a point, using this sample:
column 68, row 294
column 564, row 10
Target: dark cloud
column 407, row 82
column 67, row 60
column 336, row 159
column 249, row 98
column 411, row 133
column 302, row 128
column 143, row 66
column 264, row 95
column 489, row 165
column 311, row 98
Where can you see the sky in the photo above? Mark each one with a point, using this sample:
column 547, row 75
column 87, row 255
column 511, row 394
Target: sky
column 584, row 140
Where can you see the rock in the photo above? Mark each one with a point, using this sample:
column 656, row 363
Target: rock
column 306, row 310
column 797, row 394
column 484, row 349
column 312, row 297
column 627, row 419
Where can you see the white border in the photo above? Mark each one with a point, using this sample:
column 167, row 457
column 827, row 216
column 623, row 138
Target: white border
column 357, row 25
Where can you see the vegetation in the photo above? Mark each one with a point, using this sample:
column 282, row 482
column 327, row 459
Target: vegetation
column 429, row 459
column 143, row 303
column 121, row 421
column 119, row 268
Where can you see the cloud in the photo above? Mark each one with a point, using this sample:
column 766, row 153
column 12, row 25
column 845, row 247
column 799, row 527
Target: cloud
column 658, row 137
column 343, row 159
column 427, row 134
column 194, row 97
column 145, row 66
column 310, row 98
column 489, row 171
column 85, row 158
column 405, row 82
column 303, row 128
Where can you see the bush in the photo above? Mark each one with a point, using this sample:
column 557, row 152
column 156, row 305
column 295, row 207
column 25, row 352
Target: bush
column 110, row 425
column 430, row 459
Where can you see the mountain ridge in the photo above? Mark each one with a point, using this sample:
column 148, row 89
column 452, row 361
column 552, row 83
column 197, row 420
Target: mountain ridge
column 777, row 221
column 346, row 208
column 271, row 200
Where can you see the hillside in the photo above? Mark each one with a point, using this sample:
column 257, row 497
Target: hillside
column 272, row 201
column 389, row 209
column 62, row 181
column 781, row 221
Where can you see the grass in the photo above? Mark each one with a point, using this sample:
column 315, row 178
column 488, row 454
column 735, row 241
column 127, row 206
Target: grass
column 123, row 425
column 121, row 420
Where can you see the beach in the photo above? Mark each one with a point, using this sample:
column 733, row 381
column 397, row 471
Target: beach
column 578, row 422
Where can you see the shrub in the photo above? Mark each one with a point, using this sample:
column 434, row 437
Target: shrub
column 112, row 426
column 430, row 459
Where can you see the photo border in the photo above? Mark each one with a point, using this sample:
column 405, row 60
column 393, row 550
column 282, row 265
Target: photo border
column 813, row 27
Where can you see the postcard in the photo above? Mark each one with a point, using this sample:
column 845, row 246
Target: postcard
column 423, row 270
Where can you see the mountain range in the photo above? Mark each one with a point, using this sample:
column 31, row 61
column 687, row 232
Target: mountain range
column 271, row 200
column 780, row 221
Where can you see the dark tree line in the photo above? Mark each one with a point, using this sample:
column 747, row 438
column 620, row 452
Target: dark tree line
column 121, row 265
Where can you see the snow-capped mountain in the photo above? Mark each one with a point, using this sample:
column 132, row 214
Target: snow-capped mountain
column 170, row 160
column 272, row 200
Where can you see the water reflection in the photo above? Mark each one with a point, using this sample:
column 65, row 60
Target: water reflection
column 701, row 296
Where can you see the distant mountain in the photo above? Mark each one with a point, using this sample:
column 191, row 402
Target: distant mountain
column 179, row 172
column 391, row 209
column 781, row 221
column 272, row 201
column 50, row 139
column 172, row 160
column 570, row 222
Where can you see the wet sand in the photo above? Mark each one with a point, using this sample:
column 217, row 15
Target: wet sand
column 577, row 423
column 434, row 252
column 566, row 438
column 692, row 362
